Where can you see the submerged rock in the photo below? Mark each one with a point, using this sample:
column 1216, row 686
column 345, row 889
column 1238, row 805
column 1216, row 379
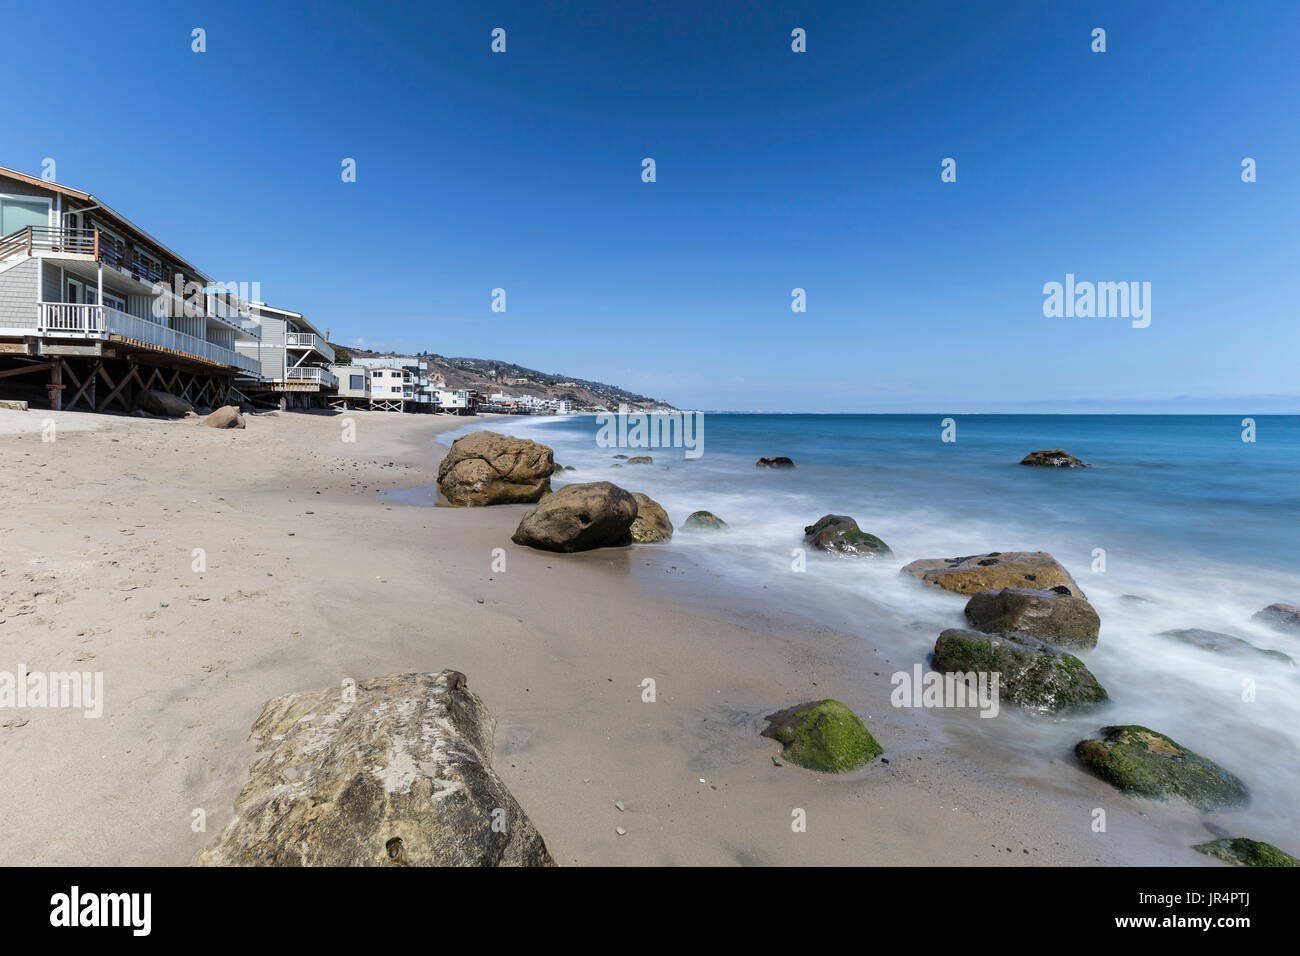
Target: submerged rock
column 777, row 462
column 823, row 735
column 579, row 517
column 487, row 468
column 1060, row 619
column 227, row 416
column 1222, row 643
column 1052, row 458
column 1240, row 851
column 400, row 776
column 840, row 534
column 651, row 522
column 705, row 521
column 156, row 402
column 995, row 570
column 641, row 460
column 1034, row 675
column 1280, row 617
column 1139, row 760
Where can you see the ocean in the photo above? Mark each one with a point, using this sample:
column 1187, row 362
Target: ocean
column 1178, row 523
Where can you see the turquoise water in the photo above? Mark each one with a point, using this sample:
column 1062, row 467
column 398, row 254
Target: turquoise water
column 1198, row 524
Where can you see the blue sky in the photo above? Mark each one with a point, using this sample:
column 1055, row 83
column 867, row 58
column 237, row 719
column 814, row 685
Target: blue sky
column 775, row 170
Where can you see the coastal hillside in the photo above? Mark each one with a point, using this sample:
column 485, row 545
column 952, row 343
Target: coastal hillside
column 492, row 375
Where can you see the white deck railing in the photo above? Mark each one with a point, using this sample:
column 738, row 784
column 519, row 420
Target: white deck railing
column 101, row 320
column 311, row 373
column 308, row 340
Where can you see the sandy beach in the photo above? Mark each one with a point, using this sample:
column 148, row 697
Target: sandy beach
column 312, row 574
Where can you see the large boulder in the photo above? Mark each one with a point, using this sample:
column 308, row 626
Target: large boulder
column 777, row 461
column 1052, row 458
column 1139, row 760
column 823, row 735
column 155, row 402
column 399, row 776
column 641, row 460
column 579, row 517
column 1061, row 619
column 994, row 571
column 227, row 416
column 1241, row 851
column 705, row 521
column 1034, row 675
column 487, row 468
column 1280, row 617
column 651, row 522
column 840, row 534
column 1220, row 643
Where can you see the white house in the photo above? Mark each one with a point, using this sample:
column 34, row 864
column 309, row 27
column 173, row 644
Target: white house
column 390, row 388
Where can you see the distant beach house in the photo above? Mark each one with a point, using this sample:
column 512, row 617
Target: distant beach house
column 454, row 401
column 96, row 309
column 294, row 360
column 423, row 384
column 353, row 389
column 390, row 389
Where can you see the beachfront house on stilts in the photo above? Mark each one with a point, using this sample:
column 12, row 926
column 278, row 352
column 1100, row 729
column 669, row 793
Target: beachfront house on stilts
column 295, row 361
column 94, row 309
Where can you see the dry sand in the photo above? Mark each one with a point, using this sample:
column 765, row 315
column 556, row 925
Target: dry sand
column 313, row 576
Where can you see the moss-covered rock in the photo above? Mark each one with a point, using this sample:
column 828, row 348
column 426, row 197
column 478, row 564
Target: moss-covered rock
column 823, row 735
column 1140, row 760
column 1240, row 851
column 1033, row 674
column 840, row 534
column 705, row 521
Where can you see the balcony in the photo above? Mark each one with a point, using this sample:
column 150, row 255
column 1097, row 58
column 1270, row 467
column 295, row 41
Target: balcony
column 309, row 341
column 101, row 321
column 87, row 243
column 31, row 239
column 311, row 373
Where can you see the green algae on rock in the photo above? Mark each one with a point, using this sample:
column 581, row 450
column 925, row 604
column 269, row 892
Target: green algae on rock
column 1033, row 675
column 823, row 735
column 840, row 534
column 1240, row 851
column 705, row 521
column 1140, row 760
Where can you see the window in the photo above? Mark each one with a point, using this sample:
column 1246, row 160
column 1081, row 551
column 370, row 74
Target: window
column 19, row 212
column 358, row 383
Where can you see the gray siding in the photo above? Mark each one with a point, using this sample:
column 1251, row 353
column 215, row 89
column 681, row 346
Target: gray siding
column 272, row 347
column 18, row 295
column 50, row 283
